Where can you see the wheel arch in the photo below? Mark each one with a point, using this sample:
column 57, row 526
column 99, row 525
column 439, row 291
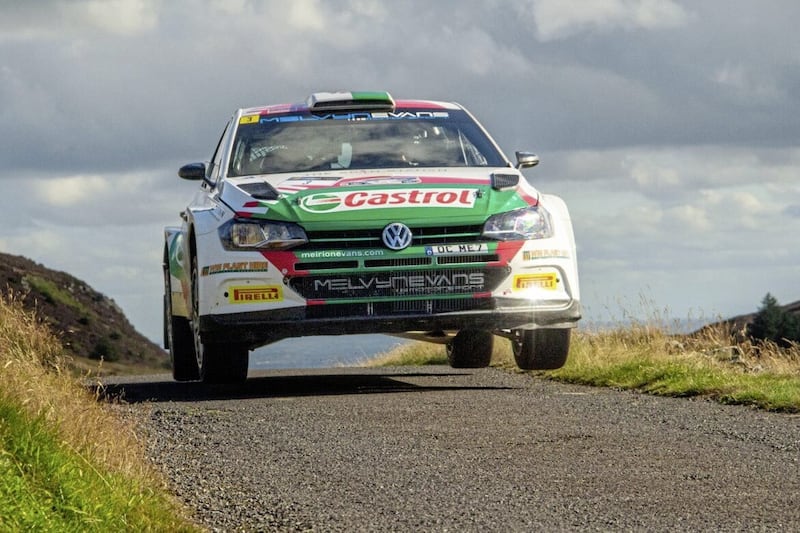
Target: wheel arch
column 175, row 270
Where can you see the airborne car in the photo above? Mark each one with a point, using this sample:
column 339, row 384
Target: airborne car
column 357, row 213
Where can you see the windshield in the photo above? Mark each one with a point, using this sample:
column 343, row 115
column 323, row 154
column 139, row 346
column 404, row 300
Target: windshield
column 292, row 143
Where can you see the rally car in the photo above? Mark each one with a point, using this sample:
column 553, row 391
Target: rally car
column 358, row 213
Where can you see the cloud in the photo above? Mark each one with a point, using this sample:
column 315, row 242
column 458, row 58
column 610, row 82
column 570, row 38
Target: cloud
column 676, row 174
column 54, row 19
column 744, row 84
column 690, row 218
column 108, row 202
column 555, row 19
column 306, row 15
column 69, row 191
column 682, row 208
column 124, row 17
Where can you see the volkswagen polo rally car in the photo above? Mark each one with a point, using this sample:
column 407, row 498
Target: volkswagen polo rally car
column 357, row 213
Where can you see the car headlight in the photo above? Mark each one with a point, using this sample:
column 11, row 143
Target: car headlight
column 240, row 234
column 521, row 224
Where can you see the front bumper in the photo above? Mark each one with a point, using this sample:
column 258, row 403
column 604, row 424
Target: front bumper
column 258, row 328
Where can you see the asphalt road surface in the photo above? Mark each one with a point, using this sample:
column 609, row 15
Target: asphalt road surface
column 437, row 449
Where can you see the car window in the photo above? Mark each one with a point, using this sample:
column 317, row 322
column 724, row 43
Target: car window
column 213, row 171
column 294, row 143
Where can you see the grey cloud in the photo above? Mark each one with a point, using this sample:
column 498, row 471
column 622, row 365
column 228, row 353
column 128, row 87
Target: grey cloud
column 792, row 210
column 100, row 101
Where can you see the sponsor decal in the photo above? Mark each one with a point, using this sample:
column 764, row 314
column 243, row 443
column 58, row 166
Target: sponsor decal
column 457, row 249
column 322, row 181
column 547, row 281
column 338, row 254
column 250, row 294
column 249, row 119
column 440, row 283
column 240, row 266
column 410, row 114
column 331, row 202
column 530, row 255
column 382, row 180
column 359, row 115
column 302, row 183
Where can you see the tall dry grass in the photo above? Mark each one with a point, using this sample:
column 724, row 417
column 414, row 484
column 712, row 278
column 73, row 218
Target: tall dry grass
column 34, row 374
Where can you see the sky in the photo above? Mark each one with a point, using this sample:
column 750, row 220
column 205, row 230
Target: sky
column 670, row 127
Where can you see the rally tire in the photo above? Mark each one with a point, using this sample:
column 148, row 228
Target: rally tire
column 541, row 349
column 470, row 348
column 178, row 339
column 224, row 363
column 181, row 351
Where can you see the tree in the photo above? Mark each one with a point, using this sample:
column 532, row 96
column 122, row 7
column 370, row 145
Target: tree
column 773, row 323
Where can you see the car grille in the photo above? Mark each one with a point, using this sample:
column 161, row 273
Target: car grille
column 371, row 238
column 399, row 283
column 400, row 262
column 399, row 308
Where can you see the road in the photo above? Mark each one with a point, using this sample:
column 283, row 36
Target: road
column 437, row 449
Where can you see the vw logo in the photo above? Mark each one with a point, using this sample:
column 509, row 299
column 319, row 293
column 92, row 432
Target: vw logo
column 396, row 236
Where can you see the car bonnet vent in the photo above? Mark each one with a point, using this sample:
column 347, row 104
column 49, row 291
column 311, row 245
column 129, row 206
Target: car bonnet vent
column 504, row 181
column 350, row 101
column 260, row 190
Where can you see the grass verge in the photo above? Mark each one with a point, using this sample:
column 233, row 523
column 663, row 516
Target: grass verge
column 67, row 463
column 711, row 364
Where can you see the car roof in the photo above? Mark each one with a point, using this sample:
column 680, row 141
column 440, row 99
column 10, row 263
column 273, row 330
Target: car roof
column 347, row 102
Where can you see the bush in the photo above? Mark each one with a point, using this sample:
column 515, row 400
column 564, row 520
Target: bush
column 104, row 349
column 773, row 323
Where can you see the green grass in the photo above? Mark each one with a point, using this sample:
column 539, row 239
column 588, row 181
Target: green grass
column 67, row 463
column 46, row 486
column 413, row 354
column 712, row 365
column 709, row 365
column 55, row 294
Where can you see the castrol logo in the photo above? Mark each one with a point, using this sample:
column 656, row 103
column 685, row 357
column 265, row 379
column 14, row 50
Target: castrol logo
column 331, row 202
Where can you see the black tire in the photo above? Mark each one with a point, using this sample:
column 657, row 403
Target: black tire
column 216, row 362
column 178, row 339
column 541, row 349
column 470, row 348
column 224, row 363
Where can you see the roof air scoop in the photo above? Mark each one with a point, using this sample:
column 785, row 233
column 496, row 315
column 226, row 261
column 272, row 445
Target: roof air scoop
column 350, row 101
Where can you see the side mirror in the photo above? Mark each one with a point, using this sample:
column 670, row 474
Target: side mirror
column 193, row 171
column 527, row 160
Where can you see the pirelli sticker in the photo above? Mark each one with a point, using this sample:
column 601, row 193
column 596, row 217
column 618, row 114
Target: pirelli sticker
column 548, row 281
column 251, row 294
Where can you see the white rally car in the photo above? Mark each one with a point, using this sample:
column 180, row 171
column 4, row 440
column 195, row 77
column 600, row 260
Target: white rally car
column 357, row 213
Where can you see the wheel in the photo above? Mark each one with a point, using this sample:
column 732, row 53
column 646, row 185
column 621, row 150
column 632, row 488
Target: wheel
column 216, row 362
column 223, row 363
column 178, row 339
column 470, row 348
column 541, row 349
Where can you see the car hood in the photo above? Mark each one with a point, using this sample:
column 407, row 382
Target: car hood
column 425, row 197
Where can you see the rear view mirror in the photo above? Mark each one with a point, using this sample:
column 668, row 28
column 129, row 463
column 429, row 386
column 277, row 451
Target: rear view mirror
column 193, row 171
column 527, row 160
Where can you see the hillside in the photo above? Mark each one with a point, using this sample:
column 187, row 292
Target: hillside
column 90, row 326
column 793, row 308
column 738, row 324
